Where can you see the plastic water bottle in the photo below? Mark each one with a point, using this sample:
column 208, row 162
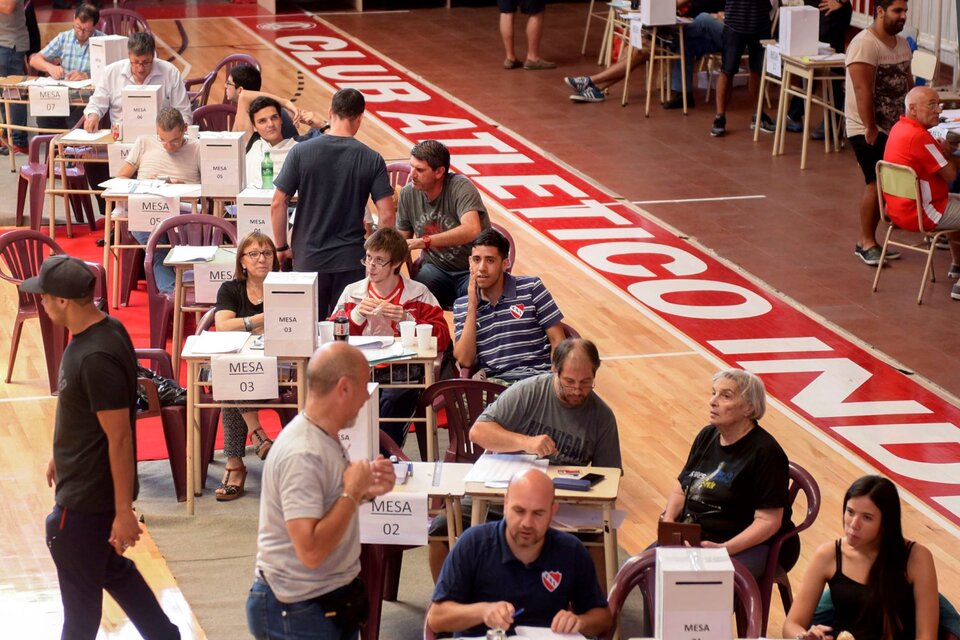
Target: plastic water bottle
column 266, row 171
column 341, row 324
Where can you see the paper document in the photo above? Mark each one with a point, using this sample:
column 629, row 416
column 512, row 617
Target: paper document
column 576, row 517
column 544, row 633
column 396, row 351
column 371, row 342
column 500, row 467
column 127, row 186
column 213, row 342
column 79, row 135
column 828, row 57
column 187, row 253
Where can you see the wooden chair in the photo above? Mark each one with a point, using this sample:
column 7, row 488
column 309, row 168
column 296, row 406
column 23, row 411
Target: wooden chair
column 122, row 22
column 901, row 181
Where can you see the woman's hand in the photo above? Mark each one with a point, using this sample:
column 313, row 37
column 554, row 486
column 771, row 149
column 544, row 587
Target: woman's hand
column 818, row 632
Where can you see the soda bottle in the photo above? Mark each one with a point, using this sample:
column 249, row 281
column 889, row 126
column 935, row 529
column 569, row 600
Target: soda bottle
column 266, row 171
column 341, row 324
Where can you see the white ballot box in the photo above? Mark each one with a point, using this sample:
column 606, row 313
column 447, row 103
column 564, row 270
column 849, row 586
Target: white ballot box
column 221, row 163
column 105, row 50
column 694, row 594
column 140, row 108
column 116, row 154
column 658, row 12
column 253, row 213
column 362, row 440
column 290, row 310
column 799, row 31
column 208, row 276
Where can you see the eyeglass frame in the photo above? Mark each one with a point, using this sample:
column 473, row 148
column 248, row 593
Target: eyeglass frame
column 266, row 253
column 377, row 262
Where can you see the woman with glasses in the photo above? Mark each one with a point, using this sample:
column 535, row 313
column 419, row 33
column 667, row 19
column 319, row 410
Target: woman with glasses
column 240, row 308
column 882, row 586
column 734, row 483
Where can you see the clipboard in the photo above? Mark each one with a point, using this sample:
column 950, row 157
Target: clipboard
column 678, row 534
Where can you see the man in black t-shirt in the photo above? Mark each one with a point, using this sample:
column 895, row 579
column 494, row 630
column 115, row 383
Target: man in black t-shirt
column 94, row 459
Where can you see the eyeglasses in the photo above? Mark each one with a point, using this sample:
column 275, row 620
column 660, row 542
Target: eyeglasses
column 174, row 143
column 374, row 262
column 586, row 385
column 229, row 84
column 80, row 29
column 255, row 255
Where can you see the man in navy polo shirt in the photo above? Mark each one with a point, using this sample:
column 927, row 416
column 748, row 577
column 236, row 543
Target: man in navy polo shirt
column 519, row 571
column 506, row 325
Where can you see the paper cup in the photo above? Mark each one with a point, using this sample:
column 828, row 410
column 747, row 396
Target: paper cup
column 424, row 332
column 193, row 132
column 408, row 335
column 325, row 329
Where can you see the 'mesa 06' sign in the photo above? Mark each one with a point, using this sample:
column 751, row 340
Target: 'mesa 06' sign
column 395, row 518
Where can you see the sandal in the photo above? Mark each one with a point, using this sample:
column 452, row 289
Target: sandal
column 263, row 443
column 226, row 491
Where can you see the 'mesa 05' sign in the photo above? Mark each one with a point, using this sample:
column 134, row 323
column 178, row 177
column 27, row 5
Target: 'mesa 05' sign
column 869, row 408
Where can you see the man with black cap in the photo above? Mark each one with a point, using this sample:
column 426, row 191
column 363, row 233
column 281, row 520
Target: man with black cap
column 94, row 459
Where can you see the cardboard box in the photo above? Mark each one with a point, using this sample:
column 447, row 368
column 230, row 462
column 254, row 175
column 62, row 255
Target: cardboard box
column 694, row 594
column 362, row 440
column 208, row 276
column 658, row 12
column 253, row 212
column 140, row 107
column 290, row 309
column 116, row 154
column 105, row 50
column 222, row 163
column 799, row 31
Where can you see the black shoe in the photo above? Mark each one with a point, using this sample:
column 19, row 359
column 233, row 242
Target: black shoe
column 676, row 102
column 719, row 128
column 766, row 124
column 818, row 133
column 794, row 126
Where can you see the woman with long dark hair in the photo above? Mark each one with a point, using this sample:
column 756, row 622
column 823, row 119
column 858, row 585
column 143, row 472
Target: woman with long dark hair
column 883, row 587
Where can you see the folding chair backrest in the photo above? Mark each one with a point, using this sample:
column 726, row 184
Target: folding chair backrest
column 899, row 181
column 924, row 65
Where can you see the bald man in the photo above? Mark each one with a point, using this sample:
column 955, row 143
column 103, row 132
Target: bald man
column 308, row 545
column 519, row 563
column 911, row 144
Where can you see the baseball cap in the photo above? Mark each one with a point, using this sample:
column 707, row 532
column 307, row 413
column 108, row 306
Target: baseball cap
column 61, row 276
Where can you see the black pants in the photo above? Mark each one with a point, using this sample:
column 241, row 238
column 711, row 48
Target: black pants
column 86, row 565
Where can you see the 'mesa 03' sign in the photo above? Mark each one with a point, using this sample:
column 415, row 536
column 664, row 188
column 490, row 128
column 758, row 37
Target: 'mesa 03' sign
column 395, row 518
column 244, row 377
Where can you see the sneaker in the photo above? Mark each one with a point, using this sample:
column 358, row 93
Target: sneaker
column 766, row 124
column 943, row 242
column 871, row 256
column 590, row 93
column 539, row 65
column 955, row 291
column 676, row 102
column 5, row 150
column 719, row 128
column 577, row 83
column 818, row 133
column 954, row 272
column 794, row 126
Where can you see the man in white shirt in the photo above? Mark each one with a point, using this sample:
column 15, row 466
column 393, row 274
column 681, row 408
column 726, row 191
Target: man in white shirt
column 265, row 115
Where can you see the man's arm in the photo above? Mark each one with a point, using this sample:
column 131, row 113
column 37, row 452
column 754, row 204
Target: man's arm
column 449, row 616
column 555, row 335
column 468, row 229
column 125, row 530
column 465, row 348
column 38, row 62
column 386, row 212
column 590, row 623
column 278, row 216
column 245, row 98
column 863, row 75
column 7, row 6
column 494, row 437
column 127, row 170
column 949, row 171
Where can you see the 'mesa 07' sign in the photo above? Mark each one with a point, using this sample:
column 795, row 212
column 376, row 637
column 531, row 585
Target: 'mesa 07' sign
column 868, row 407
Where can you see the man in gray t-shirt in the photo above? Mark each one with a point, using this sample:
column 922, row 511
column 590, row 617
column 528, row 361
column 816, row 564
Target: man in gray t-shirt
column 445, row 213
column 555, row 415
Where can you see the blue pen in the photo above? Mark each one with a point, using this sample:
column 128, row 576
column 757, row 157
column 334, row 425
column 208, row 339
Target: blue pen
column 516, row 614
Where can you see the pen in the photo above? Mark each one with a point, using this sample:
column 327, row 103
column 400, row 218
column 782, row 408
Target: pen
column 517, row 613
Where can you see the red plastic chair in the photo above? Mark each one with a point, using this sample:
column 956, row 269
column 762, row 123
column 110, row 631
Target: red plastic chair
column 463, row 402
column 640, row 572
column 775, row 573
column 194, row 229
column 122, row 22
column 215, row 117
column 33, row 181
column 201, row 97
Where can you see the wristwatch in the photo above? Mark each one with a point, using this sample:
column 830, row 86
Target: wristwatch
column 247, row 324
column 427, row 240
column 283, row 247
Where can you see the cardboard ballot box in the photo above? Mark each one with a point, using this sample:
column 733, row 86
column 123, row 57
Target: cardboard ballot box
column 253, row 213
column 105, row 50
column 221, row 163
column 290, row 310
column 658, row 12
column 116, row 154
column 208, row 276
column 694, row 594
column 362, row 441
column 799, row 31
column 140, row 107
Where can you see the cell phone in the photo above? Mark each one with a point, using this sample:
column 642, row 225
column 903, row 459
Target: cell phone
column 592, row 478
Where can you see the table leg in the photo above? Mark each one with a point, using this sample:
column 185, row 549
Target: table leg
column 609, row 544
column 66, row 196
column 683, row 70
column 626, row 77
column 808, row 102
column 650, row 64
column 763, row 88
column 108, row 252
column 7, row 121
column 51, row 184
column 827, row 91
column 430, row 416
column 785, row 81
column 177, row 329
column 478, row 512
column 192, row 420
column 452, row 520
column 301, row 384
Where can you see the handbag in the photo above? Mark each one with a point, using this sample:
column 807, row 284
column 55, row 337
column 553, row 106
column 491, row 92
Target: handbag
column 169, row 391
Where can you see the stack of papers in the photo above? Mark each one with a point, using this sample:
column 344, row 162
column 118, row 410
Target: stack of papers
column 46, row 81
column 371, row 342
column 500, row 467
column 188, row 253
column 395, row 351
column 127, row 186
column 214, row 342
column 79, row 135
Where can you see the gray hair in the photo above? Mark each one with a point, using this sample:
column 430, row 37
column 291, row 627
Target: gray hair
column 141, row 43
column 913, row 96
column 170, row 119
column 750, row 387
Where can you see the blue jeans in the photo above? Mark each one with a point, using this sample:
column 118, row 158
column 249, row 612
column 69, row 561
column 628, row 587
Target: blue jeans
column 12, row 64
column 270, row 619
column 702, row 36
column 86, row 565
column 446, row 286
column 163, row 276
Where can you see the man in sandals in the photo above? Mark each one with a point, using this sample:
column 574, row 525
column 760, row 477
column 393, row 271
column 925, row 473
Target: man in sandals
column 94, row 460
column 308, row 545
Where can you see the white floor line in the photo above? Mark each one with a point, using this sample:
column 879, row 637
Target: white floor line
column 639, row 356
column 699, row 199
column 28, row 399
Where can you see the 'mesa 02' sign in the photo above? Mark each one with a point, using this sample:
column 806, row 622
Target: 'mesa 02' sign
column 395, row 518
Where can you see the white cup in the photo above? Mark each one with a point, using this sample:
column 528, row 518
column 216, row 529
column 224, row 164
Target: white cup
column 325, row 329
column 424, row 333
column 193, row 132
column 408, row 335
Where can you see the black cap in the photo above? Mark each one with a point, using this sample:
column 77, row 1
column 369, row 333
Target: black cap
column 61, row 276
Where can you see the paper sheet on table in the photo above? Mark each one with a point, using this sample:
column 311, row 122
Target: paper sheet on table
column 827, row 57
column 42, row 81
column 544, row 633
column 396, row 351
column 115, row 186
column 371, row 342
column 160, row 188
column 500, row 467
column 79, row 135
column 577, row 517
column 189, row 253
column 212, row 342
